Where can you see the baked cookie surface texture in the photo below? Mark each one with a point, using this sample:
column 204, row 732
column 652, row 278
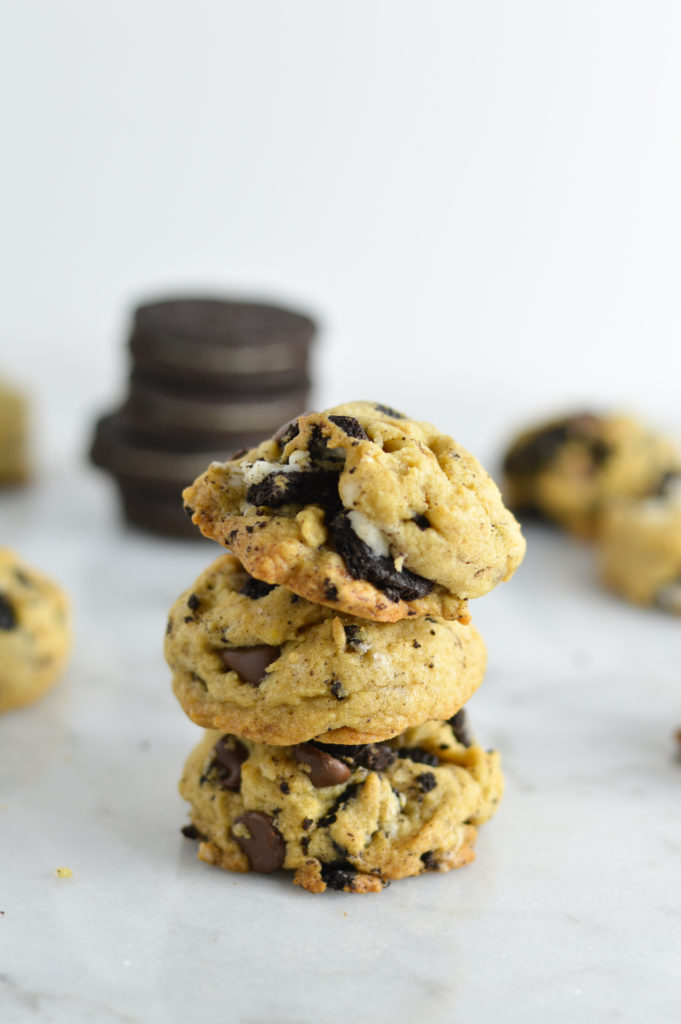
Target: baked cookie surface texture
column 342, row 817
column 569, row 470
column 14, row 461
column 363, row 510
column 640, row 548
column 35, row 632
column 257, row 660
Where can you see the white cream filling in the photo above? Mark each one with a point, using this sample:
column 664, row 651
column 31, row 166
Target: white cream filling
column 256, row 472
column 371, row 534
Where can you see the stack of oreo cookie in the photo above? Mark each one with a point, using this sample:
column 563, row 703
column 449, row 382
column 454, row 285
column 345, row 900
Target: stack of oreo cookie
column 329, row 653
column 208, row 376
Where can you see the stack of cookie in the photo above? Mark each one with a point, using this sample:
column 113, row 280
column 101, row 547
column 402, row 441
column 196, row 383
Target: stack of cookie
column 329, row 656
column 207, row 376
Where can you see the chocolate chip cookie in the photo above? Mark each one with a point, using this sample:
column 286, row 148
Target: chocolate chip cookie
column 640, row 547
column 570, row 469
column 364, row 510
column 35, row 632
column 258, row 660
column 342, row 817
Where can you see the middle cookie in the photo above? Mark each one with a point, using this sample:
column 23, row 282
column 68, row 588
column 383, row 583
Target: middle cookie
column 258, row 661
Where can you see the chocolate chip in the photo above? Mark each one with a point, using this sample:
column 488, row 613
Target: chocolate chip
column 256, row 588
column 191, row 832
column 265, row 847
column 459, row 726
column 426, row 781
column 420, row 521
column 8, row 616
column 350, row 426
column 362, row 563
column 193, row 602
column 419, row 755
column 307, row 487
column 228, row 756
column 325, row 770
column 387, row 411
column 250, row 662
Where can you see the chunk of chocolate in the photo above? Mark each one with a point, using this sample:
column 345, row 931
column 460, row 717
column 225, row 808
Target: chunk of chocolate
column 228, row 756
column 8, row 616
column 250, row 662
column 304, row 487
column 256, row 589
column 363, row 564
column 350, row 426
column 325, row 770
column 265, row 846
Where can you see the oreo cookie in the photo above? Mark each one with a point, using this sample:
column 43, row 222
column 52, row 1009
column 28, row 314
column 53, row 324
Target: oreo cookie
column 209, row 377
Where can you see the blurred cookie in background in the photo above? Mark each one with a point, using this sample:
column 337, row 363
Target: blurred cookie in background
column 15, row 465
column 569, row 470
column 209, row 376
column 640, row 548
column 35, row 632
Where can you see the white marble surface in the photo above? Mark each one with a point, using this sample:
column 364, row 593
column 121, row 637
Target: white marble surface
column 572, row 910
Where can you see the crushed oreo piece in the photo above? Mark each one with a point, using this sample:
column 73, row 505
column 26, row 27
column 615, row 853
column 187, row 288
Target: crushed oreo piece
column 363, row 564
column 8, row 616
column 419, row 755
column 421, row 521
column 256, row 588
column 325, row 769
column 668, row 483
column 387, row 411
column 304, row 487
column 353, row 639
column 339, row 875
column 459, row 726
column 337, row 690
column 191, row 832
column 193, row 602
column 350, row 426
column 264, row 847
column 330, row 591
column 305, row 824
column 228, row 756
column 250, row 662
column 345, row 797
column 376, row 757
column 540, row 448
column 429, row 861
column 284, row 787
column 426, row 781
column 286, row 433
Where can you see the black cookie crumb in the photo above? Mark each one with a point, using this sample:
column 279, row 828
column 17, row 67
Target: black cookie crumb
column 8, row 616
column 339, row 875
column 191, row 832
column 337, row 690
column 419, row 755
column 350, row 426
column 256, row 588
column 429, row 861
column 193, row 602
column 387, row 411
column 426, row 781
column 363, row 564
column 420, row 521
column 459, row 726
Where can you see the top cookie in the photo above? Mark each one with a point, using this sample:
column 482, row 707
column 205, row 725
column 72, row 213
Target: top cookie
column 363, row 510
column 570, row 469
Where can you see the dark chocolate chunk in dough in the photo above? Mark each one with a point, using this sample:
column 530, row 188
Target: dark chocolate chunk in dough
column 228, row 756
column 279, row 488
column 256, row 588
column 8, row 617
column 350, row 426
column 265, row 846
column 250, row 662
column 363, row 564
column 325, row 770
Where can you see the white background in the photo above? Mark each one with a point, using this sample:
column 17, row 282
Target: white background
column 481, row 202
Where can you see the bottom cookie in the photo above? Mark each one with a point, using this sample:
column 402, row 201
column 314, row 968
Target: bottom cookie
column 342, row 817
